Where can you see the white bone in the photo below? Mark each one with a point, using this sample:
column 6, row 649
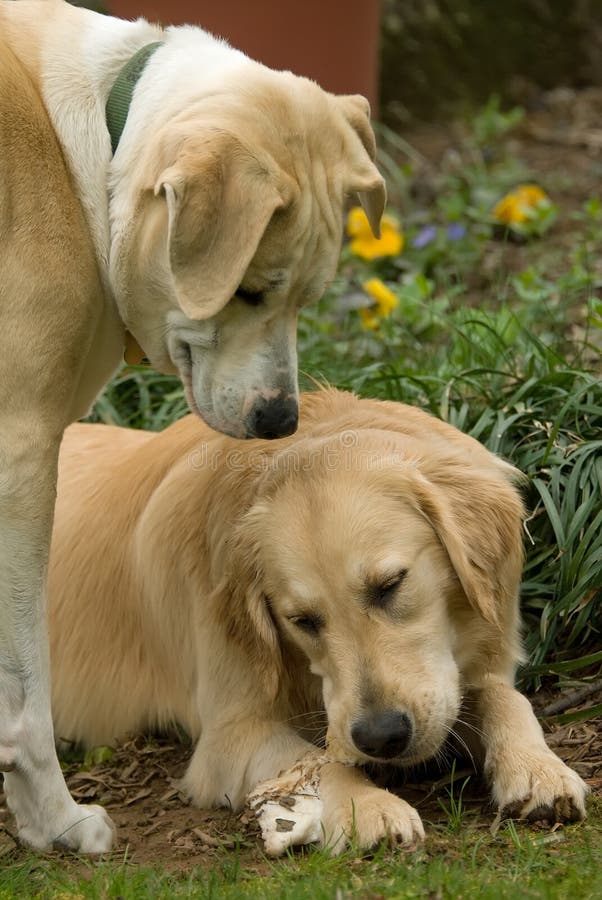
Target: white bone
column 288, row 808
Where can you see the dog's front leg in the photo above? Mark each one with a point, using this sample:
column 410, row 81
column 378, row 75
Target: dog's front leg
column 231, row 759
column 35, row 789
column 528, row 780
column 356, row 811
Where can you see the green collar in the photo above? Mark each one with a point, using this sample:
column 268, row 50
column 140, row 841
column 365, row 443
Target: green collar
column 120, row 97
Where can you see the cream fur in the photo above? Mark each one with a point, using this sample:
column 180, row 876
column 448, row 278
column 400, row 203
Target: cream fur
column 227, row 174
column 228, row 177
column 166, row 548
column 60, row 339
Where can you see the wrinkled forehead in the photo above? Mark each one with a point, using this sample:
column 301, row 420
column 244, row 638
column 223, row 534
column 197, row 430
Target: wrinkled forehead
column 299, row 250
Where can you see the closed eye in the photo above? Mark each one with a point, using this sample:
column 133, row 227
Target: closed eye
column 253, row 298
column 380, row 595
column 310, row 624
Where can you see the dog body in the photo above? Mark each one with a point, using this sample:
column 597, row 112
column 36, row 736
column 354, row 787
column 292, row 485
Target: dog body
column 219, row 215
column 367, row 567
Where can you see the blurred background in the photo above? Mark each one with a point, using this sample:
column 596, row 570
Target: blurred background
column 414, row 59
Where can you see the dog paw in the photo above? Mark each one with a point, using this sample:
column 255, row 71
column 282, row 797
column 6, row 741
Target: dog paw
column 539, row 787
column 92, row 831
column 371, row 817
column 88, row 830
column 48, row 820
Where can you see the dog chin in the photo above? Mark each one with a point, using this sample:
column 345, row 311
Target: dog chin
column 207, row 414
column 345, row 752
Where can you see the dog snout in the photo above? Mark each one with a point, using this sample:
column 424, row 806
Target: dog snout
column 274, row 418
column 383, row 735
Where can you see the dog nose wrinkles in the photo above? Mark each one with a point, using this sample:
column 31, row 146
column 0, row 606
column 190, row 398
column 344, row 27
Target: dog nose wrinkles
column 384, row 735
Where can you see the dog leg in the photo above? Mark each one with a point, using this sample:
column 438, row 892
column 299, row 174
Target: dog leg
column 357, row 812
column 528, row 780
column 36, row 792
column 268, row 757
column 229, row 761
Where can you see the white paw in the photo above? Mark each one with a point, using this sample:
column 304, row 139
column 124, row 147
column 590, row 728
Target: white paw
column 88, row 830
column 537, row 786
column 50, row 819
column 372, row 816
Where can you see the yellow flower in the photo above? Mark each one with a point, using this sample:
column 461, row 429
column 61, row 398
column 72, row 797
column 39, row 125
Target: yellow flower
column 386, row 302
column 520, row 204
column 364, row 244
column 369, row 320
column 532, row 194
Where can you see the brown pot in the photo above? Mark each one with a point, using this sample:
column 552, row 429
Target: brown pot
column 334, row 42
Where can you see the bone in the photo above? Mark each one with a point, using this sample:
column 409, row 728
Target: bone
column 288, row 808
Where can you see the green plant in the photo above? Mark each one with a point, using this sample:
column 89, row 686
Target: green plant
column 508, row 353
column 453, row 806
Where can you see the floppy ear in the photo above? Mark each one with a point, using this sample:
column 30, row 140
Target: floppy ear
column 246, row 613
column 478, row 520
column 363, row 177
column 220, row 200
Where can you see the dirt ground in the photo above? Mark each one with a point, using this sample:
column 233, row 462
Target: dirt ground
column 138, row 786
column 156, row 826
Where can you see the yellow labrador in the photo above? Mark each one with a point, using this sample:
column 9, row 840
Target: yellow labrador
column 159, row 182
column 368, row 566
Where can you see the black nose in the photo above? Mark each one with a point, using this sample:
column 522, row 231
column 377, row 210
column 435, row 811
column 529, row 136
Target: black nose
column 271, row 419
column 382, row 735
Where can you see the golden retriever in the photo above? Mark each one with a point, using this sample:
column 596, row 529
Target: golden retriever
column 368, row 566
column 162, row 192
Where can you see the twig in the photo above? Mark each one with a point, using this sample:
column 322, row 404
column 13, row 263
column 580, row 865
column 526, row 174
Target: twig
column 573, row 698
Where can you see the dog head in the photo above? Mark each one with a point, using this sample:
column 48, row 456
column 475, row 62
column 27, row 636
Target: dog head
column 394, row 582
column 233, row 222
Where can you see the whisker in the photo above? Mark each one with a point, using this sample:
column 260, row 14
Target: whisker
column 304, row 715
column 466, row 724
column 453, row 733
column 313, row 721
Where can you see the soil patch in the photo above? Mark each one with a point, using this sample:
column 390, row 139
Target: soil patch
column 156, row 827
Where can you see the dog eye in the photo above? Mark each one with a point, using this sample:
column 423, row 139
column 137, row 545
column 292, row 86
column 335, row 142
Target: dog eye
column 309, row 624
column 384, row 592
column 253, row 298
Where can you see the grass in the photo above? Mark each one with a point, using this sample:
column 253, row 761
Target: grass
column 459, row 860
column 510, row 355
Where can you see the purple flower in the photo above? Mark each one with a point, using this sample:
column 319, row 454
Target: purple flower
column 456, row 231
column 424, row 237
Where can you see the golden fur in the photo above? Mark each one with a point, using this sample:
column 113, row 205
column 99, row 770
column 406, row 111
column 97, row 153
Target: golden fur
column 187, row 569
